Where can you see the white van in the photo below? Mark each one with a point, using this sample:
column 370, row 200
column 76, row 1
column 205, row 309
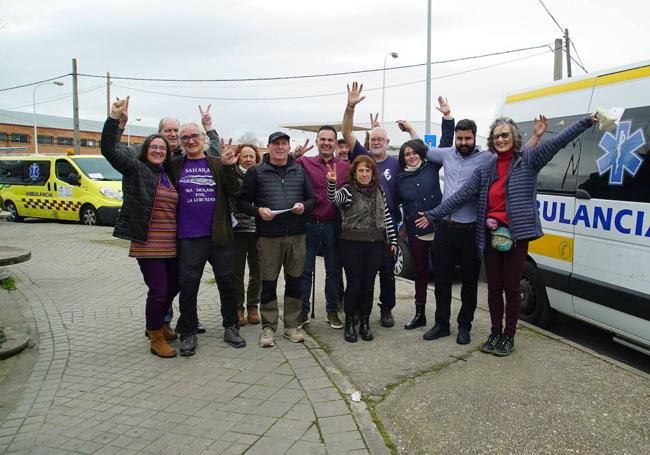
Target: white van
column 593, row 263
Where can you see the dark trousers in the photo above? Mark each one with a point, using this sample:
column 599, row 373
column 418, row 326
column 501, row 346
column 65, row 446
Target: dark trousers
column 245, row 245
column 193, row 254
column 420, row 251
column 455, row 245
column 323, row 234
column 503, row 272
column 361, row 261
column 161, row 276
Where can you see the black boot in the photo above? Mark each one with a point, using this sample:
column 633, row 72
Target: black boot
column 350, row 333
column 420, row 318
column 364, row 328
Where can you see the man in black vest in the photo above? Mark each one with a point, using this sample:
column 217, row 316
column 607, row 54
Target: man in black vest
column 278, row 193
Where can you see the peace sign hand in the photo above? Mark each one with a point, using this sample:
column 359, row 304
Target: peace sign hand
column 119, row 107
column 206, row 118
column 302, row 149
column 374, row 123
column 227, row 148
column 331, row 173
column 354, row 94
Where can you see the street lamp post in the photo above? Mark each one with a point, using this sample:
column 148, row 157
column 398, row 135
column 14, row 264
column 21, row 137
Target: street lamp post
column 383, row 83
column 57, row 83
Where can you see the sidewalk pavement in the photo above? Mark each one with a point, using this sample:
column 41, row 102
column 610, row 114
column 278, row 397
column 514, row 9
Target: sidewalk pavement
column 93, row 387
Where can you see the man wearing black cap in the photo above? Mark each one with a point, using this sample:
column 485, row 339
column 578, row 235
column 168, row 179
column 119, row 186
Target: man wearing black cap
column 278, row 193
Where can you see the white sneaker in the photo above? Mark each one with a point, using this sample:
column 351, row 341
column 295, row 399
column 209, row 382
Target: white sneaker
column 266, row 337
column 294, row 335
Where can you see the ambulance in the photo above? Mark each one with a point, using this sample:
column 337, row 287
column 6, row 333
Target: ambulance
column 593, row 198
column 80, row 188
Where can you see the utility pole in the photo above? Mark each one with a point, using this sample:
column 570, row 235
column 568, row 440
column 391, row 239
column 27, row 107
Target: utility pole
column 75, row 109
column 427, row 120
column 108, row 94
column 568, row 53
column 557, row 64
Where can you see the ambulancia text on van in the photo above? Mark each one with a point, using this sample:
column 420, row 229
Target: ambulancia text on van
column 593, row 200
column 80, row 188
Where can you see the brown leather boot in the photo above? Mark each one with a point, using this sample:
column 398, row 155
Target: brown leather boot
column 253, row 315
column 159, row 346
column 168, row 333
column 240, row 316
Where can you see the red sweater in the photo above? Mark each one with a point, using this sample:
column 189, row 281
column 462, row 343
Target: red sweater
column 497, row 195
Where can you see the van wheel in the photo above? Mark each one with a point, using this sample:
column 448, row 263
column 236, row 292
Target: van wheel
column 13, row 212
column 404, row 266
column 534, row 301
column 88, row 215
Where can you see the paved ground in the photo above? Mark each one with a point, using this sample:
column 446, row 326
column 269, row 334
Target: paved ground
column 89, row 385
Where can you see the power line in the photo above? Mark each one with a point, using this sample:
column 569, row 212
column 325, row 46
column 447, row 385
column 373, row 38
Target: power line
column 562, row 30
column 311, row 76
column 323, row 95
column 552, row 17
column 56, row 98
column 34, row 83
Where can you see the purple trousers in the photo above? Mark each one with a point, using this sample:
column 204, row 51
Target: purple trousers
column 420, row 251
column 161, row 276
column 503, row 272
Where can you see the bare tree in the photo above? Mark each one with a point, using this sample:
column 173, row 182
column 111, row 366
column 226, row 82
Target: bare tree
column 249, row 138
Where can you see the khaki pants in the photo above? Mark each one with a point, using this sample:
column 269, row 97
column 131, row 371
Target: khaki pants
column 276, row 253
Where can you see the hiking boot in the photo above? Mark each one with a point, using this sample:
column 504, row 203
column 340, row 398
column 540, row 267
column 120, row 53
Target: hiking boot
column 303, row 319
column 490, row 344
column 386, row 318
column 505, row 346
column 266, row 337
column 231, row 336
column 334, row 320
column 463, row 336
column 168, row 332
column 159, row 346
column 240, row 317
column 189, row 343
column 294, row 335
column 253, row 315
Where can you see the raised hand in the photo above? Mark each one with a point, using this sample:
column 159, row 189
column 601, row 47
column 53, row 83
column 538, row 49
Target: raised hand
column 227, row 147
column 443, row 106
column 540, row 125
column 405, row 126
column 206, row 118
column 302, row 149
column 124, row 116
column 374, row 123
column 118, row 107
column 228, row 156
column 354, row 94
column 331, row 173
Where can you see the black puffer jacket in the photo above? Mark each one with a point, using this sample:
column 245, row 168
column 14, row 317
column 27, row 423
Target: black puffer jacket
column 265, row 186
column 139, row 182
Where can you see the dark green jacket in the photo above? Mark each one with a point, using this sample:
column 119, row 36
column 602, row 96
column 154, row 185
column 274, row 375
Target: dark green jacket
column 228, row 187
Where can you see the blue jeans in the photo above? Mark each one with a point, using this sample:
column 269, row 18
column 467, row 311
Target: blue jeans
column 322, row 234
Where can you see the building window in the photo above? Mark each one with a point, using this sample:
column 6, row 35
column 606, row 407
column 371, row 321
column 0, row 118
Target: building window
column 22, row 138
column 45, row 139
column 3, row 136
column 88, row 143
column 64, row 140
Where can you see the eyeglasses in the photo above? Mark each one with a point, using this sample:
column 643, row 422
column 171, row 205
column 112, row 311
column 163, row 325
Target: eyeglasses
column 504, row 135
column 190, row 137
column 162, row 148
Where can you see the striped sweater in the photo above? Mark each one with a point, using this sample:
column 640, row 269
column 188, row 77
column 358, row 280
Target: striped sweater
column 161, row 237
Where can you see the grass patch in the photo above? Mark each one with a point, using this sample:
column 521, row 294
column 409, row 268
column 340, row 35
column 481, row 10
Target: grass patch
column 8, row 284
column 211, row 281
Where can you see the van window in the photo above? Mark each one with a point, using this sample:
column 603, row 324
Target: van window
column 32, row 172
column 613, row 164
column 559, row 176
column 98, row 169
column 64, row 169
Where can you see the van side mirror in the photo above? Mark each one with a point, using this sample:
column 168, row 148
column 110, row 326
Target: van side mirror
column 74, row 179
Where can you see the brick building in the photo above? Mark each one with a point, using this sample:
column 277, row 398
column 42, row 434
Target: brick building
column 55, row 135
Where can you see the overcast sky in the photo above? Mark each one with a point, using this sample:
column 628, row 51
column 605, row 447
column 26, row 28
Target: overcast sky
column 255, row 39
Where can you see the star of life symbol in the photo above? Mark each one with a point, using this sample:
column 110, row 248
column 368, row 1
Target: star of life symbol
column 620, row 153
column 34, row 171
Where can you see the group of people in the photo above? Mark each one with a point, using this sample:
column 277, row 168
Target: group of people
column 183, row 195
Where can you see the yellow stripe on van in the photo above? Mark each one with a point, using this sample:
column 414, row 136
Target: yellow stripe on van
column 613, row 78
column 553, row 246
